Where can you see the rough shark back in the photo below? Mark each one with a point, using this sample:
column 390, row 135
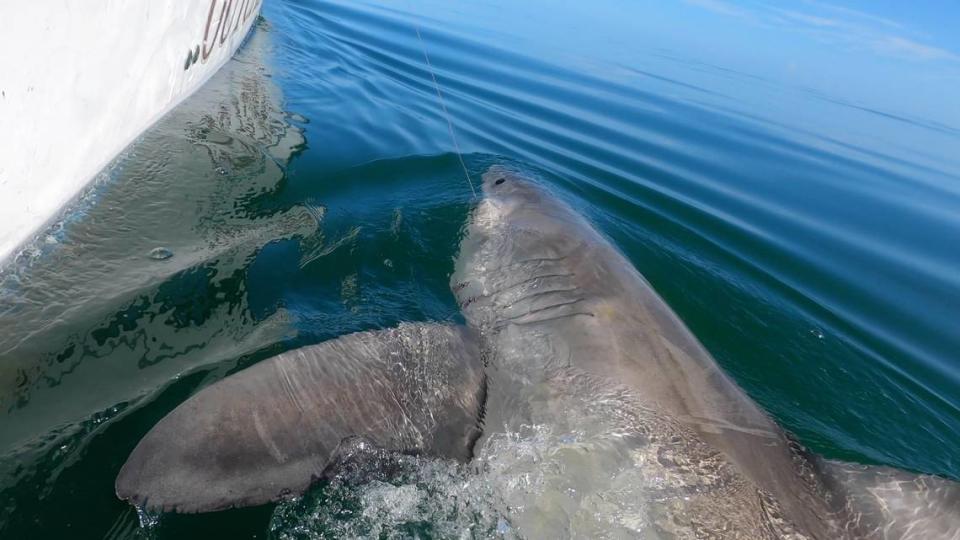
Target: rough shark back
column 556, row 297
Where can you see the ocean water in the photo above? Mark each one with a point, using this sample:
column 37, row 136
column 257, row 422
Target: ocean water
column 808, row 233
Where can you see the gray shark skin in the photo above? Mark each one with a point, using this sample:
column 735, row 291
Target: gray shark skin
column 268, row 432
column 602, row 415
column 578, row 340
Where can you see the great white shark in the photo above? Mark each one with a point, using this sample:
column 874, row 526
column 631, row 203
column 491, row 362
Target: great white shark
column 562, row 331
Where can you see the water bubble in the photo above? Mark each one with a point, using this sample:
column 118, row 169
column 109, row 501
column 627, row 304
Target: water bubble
column 148, row 519
column 816, row 333
column 160, row 254
column 380, row 494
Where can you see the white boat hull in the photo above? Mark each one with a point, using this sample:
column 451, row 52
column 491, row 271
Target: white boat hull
column 81, row 79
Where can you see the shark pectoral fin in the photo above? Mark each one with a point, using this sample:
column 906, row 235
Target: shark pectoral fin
column 268, row 432
column 883, row 502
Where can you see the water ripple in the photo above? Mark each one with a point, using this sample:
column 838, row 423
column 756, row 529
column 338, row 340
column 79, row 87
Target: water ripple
column 809, row 240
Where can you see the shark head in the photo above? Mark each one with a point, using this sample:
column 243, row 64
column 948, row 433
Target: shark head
column 510, row 199
column 514, row 250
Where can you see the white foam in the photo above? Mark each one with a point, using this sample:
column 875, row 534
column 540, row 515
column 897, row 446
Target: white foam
column 538, row 482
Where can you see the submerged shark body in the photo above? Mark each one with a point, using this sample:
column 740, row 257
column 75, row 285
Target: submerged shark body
column 649, row 438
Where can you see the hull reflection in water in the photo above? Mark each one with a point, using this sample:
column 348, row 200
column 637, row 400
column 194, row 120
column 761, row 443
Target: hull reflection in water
column 91, row 320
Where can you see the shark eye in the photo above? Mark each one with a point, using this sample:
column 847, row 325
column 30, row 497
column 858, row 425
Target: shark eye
column 500, row 181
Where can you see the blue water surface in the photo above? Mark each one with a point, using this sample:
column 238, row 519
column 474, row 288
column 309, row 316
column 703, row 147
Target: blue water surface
column 787, row 177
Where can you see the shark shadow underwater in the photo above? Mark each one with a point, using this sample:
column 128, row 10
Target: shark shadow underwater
column 562, row 331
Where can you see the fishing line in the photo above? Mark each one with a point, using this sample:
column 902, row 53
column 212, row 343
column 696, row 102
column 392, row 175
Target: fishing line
column 443, row 107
